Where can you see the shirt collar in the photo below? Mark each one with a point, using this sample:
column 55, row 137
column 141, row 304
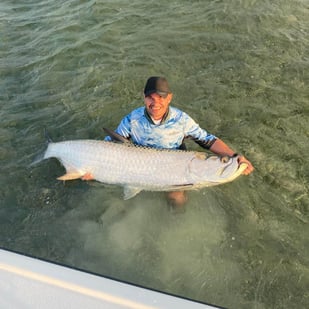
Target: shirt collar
column 163, row 120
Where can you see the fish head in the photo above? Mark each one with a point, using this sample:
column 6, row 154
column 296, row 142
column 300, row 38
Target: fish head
column 216, row 170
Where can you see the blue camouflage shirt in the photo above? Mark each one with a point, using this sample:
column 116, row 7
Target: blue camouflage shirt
column 169, row 133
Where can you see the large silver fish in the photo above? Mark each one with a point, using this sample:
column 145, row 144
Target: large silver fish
column 138, row 168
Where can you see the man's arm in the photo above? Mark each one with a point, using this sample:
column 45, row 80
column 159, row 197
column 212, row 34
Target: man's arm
column 123, row 129
column 222, row 149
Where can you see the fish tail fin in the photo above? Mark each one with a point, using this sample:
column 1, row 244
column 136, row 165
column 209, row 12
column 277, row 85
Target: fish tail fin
column 41, row 156
column 37, row 159
column 47, row 136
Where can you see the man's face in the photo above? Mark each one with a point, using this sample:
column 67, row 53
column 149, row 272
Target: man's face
column 157, row 105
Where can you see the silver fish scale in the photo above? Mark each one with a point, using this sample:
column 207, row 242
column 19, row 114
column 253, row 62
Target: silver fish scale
column 117, row 163
column 139, row 168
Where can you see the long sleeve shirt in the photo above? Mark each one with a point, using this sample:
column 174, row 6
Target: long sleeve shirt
column 169, row 133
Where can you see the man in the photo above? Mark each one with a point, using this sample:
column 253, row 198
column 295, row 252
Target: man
column 161, row 126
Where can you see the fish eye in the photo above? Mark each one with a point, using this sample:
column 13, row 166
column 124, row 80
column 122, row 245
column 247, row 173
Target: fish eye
column 224, row 159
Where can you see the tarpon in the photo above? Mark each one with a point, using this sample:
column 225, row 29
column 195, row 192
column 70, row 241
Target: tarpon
column 139, row 168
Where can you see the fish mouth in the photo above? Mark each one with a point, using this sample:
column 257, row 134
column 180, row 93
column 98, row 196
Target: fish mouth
column 242, row 167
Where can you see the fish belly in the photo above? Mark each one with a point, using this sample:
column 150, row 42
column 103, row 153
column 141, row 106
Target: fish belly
column 115, row 163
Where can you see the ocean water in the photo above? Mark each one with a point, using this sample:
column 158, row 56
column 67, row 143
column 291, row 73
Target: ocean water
column 239, row 68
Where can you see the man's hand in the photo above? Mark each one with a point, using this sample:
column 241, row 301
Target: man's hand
column 87, row 176
column 249, row 169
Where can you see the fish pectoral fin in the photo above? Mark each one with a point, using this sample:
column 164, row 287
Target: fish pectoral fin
column 70, row 176
column 130, row 192
column 87, row 176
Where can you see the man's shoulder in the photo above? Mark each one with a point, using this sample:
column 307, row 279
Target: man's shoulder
column 138, row 112
column 177, row 114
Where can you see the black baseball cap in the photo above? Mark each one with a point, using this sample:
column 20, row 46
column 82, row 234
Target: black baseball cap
column 156, row 84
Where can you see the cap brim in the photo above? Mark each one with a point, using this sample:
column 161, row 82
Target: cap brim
column 160, row 93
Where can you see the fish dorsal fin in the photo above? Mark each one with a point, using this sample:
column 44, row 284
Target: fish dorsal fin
column 130, row 192
column 116, row 137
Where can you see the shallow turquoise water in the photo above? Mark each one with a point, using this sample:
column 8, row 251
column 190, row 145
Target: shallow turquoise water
column 240, row 68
